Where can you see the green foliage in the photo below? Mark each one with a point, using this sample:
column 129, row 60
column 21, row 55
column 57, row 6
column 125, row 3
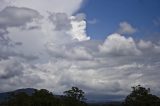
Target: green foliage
column 141, row 96
column 74, row 97
column 45, row 98
column 75, row 93
column 19, row 99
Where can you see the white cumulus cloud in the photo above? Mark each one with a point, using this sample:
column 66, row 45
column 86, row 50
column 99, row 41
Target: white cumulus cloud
column 118, row 44
column 126, row 28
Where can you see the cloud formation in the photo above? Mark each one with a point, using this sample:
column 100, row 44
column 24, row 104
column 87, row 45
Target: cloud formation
column 55, row 52
column 126, row 28
column 64, row 6
column 118, row 44
column 16, row 17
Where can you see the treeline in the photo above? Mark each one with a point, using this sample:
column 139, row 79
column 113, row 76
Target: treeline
column 139, row 96
column 73, row 97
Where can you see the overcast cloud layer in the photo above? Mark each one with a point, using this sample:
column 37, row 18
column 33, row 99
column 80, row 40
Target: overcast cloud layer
column 45, row 46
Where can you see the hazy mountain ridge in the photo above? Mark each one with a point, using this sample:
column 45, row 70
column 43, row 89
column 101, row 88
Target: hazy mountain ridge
column 5, row 95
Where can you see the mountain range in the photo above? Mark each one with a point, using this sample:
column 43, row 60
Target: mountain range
column 4, row 96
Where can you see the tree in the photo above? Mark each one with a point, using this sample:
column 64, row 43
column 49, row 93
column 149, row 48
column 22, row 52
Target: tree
column 75, row 93
column 141, row 96
column 74, row 97
column 19, row 99
column 43, row 98
column 38, row 98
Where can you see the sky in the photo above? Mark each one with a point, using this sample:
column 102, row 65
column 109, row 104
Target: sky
column 104, row 47
column 105, row 16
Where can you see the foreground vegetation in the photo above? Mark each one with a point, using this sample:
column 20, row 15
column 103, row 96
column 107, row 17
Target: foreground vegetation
column 139, row 96
column 73, row 97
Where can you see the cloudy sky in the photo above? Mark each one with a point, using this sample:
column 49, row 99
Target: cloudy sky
column 102, row 46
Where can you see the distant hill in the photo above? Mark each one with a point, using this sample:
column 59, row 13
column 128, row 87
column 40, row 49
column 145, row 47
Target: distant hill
column 113, row 103
column 4, row 96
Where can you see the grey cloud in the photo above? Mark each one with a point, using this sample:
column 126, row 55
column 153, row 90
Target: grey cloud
column 33, row 27
column 15, row 74
column 149, row 45
column 105, row 74
column 4, row 40
column 13, row 17
column 7, row 50
column 80, row 17
column 70, row 51
column 61, row 21
column 18, row 43
column 109, row 74
column 3, row 31
column 74, row 26
column 111, row 71
column 17, row 16
column 58, row 62
column 10, row 68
